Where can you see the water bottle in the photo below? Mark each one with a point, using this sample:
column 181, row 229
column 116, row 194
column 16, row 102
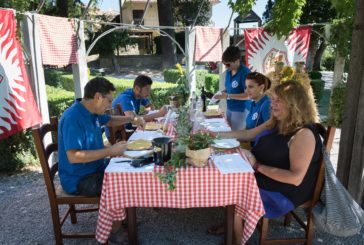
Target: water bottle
column 199, row 117
column 192, row 108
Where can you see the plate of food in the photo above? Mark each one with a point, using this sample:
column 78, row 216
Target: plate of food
column 212, row 113
column 139, row 145
column 225, row 143
column 152, row 126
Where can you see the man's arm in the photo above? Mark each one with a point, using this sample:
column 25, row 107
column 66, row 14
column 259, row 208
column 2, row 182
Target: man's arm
column 149, row 117
column 128, row 118
column 85, row 156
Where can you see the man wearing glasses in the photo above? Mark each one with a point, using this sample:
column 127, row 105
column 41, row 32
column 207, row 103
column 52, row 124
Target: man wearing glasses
column 234, row 92
column 81, row 150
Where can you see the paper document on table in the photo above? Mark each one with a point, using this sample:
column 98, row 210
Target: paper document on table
column 117, row 165
column 145, row 135
column 216, row 125
column 215, row 120
column 218, row 128
column 232, row 163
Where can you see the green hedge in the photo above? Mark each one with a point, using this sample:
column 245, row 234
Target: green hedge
column 203, row 78
column 200, row 79
column 59, row 79
column 171, row 75
column 17, row 151
column 318, row 86
column 212, row 82
column 337, row 105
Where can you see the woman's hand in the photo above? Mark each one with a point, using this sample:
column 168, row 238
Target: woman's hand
column 220, row 96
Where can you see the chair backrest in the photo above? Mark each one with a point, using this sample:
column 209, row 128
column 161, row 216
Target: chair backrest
column 117, row 133
column 328, row 138
column 46, row 151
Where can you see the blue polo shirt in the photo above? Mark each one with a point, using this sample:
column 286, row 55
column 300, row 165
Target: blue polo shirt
column 236, row 85
column 79, row 129
column 129, row 102
column 259, row 112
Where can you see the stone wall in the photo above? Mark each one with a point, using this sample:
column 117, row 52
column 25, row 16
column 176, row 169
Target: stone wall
column 136, row 61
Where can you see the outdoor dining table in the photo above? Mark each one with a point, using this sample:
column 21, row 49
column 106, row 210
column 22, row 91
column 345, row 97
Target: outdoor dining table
column 123, row 192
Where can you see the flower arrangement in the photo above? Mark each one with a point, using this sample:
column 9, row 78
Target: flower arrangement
column 288, row 73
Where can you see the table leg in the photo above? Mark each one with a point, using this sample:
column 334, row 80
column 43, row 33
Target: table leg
column 229, row 224
column 132, row 226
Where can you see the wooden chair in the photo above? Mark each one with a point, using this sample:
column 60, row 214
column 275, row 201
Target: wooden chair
column 118, row 133
column 56, row 195
column 328, row 136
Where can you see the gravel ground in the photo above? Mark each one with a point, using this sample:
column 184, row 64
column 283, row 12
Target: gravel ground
column 25, row 218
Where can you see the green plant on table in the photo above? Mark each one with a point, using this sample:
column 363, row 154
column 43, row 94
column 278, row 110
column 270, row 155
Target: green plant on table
column 199, row 141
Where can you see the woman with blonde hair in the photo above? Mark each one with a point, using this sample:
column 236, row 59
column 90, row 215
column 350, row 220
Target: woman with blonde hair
column 287, row 151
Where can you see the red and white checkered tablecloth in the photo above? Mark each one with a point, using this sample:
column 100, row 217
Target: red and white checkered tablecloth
column 195, row 188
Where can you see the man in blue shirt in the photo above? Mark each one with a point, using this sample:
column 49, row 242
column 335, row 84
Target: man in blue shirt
column 131, row 99
column 80, row 145
column 235, row 86
column 81, row 150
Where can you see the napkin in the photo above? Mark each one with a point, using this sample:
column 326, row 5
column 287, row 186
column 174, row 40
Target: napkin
column 232, row 163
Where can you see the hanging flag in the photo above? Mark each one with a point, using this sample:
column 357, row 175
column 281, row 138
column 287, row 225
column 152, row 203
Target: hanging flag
column 208, row 45
column 263, row 49
column 58, row 40
column 17, row 106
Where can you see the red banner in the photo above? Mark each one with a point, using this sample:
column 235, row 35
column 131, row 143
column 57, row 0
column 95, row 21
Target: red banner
column 263, row 49
column 18, row 109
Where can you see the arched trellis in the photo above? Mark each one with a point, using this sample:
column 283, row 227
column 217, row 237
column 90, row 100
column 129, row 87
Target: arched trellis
column 128, row 27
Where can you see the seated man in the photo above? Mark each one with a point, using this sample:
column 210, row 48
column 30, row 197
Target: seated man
column 80, row 144
column 132, row 99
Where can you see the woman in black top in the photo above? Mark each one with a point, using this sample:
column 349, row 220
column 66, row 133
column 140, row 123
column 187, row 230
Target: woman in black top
column 286, row 155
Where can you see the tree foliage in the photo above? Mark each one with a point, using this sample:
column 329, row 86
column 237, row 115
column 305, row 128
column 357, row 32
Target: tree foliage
column 242, row 7
column 285, row 16
column 186, row 11
column 342, row 26
column 267, row 15
column 317, row 12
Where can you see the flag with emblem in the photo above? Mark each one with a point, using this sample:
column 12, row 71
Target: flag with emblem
column 18, row 109
column 264, row 50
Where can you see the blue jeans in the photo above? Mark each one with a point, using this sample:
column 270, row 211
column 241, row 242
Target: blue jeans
column 91, row 185
column 236, row 119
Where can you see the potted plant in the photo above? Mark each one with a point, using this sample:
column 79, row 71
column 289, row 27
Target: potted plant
column 198, row 148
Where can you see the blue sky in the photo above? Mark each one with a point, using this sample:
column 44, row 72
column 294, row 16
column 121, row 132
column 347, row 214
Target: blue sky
column 220, row 12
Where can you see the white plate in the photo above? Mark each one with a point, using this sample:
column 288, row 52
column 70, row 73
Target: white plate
column 226, row 143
